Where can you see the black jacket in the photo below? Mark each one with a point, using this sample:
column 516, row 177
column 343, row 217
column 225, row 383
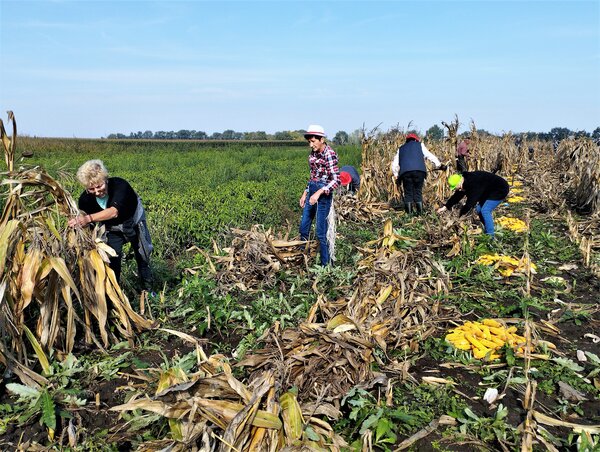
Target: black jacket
column 120, row 195
column 478, row 187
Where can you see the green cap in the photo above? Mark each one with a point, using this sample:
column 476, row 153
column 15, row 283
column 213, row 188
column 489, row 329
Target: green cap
column 454, row 180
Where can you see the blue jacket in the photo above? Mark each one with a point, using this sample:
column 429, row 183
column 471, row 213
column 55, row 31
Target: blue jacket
column 410, row 158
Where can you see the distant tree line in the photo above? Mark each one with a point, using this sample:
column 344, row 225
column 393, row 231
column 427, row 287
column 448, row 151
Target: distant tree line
column 555, row 135
column 435, row 132
column 340, row 137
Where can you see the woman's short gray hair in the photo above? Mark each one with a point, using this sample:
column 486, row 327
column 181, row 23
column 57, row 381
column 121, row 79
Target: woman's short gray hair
column 92, row 172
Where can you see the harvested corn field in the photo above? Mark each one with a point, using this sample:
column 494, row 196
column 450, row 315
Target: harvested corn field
column 424, row 335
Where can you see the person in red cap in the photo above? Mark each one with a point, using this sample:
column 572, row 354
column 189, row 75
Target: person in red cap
column 409, row 169
column 350, row 178
column 317, row 198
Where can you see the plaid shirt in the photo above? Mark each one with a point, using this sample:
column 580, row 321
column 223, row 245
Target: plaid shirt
column 324, row 168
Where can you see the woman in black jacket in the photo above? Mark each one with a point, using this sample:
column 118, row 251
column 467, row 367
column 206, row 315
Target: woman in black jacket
column 484, row 191
column 112, row 202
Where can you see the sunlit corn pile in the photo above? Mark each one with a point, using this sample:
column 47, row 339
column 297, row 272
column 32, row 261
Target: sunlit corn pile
column 515, row 199
column 254, row 258
column 514, row 224
column 485, row 339
column 507, row 265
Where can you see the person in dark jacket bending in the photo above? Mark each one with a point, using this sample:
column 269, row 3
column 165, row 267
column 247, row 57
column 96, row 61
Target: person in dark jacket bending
column 112, row 201
column 409, row 169
column 484, row 191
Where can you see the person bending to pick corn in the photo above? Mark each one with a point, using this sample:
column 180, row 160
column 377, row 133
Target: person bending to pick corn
column 484, row 191
column 112, row 202
column 324, row 178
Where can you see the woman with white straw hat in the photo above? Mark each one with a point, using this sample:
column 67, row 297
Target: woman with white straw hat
column 317, row 198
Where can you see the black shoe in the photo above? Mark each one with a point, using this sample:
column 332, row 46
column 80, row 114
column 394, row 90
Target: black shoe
column 419, row 208
column 408, row 206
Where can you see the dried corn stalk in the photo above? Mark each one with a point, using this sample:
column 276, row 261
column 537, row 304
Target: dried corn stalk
column 579, row 162
column 55, row 281
column 213, row 409
column 256, row 256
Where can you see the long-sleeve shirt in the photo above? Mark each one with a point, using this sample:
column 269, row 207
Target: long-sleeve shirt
column 324, row 168
column 478, row 187
column 426, row 153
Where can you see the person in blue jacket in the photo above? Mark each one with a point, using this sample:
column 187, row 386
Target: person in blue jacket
column 112, row 202
column 409, row 169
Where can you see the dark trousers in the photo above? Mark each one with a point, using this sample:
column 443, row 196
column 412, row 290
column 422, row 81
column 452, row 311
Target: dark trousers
column 116, row 240
column 412, row 184
column 461, row 164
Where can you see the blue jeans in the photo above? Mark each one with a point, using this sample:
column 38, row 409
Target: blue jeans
column 321, row 210
column 485, row 214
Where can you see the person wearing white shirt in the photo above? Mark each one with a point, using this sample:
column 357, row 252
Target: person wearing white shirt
column 409, row 169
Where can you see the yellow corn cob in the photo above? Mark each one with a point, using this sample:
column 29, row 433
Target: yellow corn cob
column 480, row 352
column 492, row 322
column 476, row 329
column 474, row 341
column 496, row 340
column 462, row 345
column 500, row 332
column 490, row 344
column 486, row 332
column 547, row 344
column 454, row 337
column 495, row 356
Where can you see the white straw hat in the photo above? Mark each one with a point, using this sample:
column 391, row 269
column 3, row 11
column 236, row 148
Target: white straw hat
column 315, row 130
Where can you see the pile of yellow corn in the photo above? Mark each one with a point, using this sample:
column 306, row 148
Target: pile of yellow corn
column 514, row 224
column 516, row 191
column 485, row 338
column 506, row 265
column 515, row 199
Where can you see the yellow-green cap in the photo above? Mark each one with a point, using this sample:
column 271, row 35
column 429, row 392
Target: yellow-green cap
column 454, row 180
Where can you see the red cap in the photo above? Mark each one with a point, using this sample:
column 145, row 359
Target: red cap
column 413, row 136
column 345, row 178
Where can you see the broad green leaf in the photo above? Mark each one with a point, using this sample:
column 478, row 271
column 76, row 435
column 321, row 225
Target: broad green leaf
column 25, row 392
column 48, row 411
column 569, row 364
column 470, row 413
column 371, row 421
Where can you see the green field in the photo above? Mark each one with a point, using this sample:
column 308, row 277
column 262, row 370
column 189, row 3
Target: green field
column 193, row 193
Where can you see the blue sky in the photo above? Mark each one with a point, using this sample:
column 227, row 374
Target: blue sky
column 91, row 68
